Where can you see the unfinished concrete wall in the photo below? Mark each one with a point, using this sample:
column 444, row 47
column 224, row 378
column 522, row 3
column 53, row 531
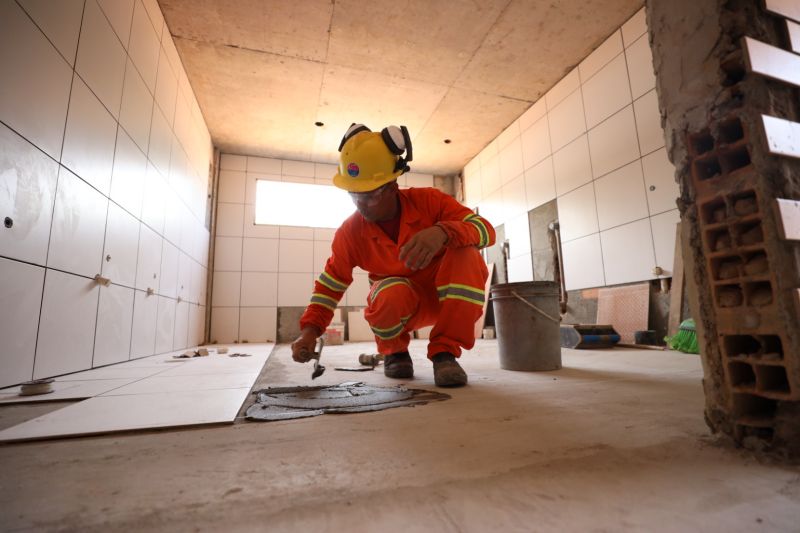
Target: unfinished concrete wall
column 741, row 274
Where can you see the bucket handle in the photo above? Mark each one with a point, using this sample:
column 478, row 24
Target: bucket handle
column 526, row 302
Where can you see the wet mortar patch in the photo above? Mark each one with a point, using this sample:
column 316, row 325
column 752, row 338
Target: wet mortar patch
column 285, row 403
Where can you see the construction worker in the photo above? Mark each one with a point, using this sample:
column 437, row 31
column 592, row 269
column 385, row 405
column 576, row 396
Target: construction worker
column 420, row 248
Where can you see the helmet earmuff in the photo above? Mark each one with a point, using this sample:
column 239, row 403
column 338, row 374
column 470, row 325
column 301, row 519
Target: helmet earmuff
column 398, row 141
column 352, row 131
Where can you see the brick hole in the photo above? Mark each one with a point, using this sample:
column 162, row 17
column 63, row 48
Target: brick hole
column 701, row 142
column 771, row 347
column 754, row 407
column 741, row 374
column 733, row 69
column 730, row 296
column 734, row 159
column 731, row 130
column 749, row 233
column 740, row 345
column 772, row 378
column 714, row 212
column 725, row 268
column 756, row 264
column 719, row 240
column 706, row 168
column 759, row 294
column 744, row 204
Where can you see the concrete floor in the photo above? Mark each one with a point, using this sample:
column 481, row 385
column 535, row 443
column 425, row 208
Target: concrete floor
column 613, row 442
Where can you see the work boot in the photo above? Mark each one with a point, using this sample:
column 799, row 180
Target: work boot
column 398, row 365
column 447, row 372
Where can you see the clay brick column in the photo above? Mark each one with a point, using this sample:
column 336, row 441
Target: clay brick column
column 743, row 269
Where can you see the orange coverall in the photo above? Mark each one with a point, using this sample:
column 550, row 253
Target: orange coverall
column 448, row 293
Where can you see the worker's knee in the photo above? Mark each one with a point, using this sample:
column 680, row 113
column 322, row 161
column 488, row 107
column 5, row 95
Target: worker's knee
column 393, row 291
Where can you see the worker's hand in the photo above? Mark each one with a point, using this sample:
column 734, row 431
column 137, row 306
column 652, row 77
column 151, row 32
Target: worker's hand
column 418, row 252
column 303, row 347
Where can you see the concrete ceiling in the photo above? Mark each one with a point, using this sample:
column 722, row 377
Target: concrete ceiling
column 264, row 71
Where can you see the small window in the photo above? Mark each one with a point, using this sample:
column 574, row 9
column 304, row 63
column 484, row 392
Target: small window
column 301, row 204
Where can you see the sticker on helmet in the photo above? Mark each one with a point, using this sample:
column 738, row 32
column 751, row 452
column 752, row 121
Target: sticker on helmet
column 353, row 170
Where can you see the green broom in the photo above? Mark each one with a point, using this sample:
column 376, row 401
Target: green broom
column 686, row 339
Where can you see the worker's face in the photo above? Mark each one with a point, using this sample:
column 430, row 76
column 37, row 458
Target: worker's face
column 377, row 205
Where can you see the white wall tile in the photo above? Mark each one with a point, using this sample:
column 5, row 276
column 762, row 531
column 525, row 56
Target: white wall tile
column 303, row 169
column 540, row 183
column 224, row 325
column 67, row 325
column 260, row 255
column 230, row 220
column 60, row 22
column 136, row 110
column 234, row 162
column 491, row 208
column 231, row 186
column 566, row 120
column 357, row 292
column 226, row 290
column 659, row 177
column 168, row 285
column 144, row 46
column 583, row 263
column 121, row 247
column 112, row 340
column 621, row 197
column 153, row 203
column 143, row 333
column 20, row 289
column 185, row 270
column 533, row 114
column 158, row 151
column 165, row 326
column 199, row 283
column 322, row 251
column 258, row 324
column 472, row 187
column 120, row 14
column 128, row 174
column 251, row 229
column 607, row 91
column 414, row 179
column 490, row 176
column 79, row 221
column 180, row 339
column 358, row 329
column 489, row 152
column 510, row 159
column 324, row 234
column 628, row 253
column 640, row 67
column 518, row 235
column 295, row 256
column 101, row 58
column 325, row 171
column 572, row 166
column 577, row 213
column 562, row 89
column 535, row 143
column 27, row 193
column 36, row 80
column 156, row 17
column 648, row 123
column 295, row 232
column 602, row 55
column 166, row 87
column 613, row 143
column 634, row 27
column 508, row 135
column 148, row 259
column 260, row 289
column 197, row 324
column 89, row 139
column 172, row 216
column 228, row 254
column 663, row 227
column 520, row 268
column 295, row 289
column 513, row 194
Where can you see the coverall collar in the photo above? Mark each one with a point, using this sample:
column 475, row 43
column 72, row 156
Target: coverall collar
column 408, row 215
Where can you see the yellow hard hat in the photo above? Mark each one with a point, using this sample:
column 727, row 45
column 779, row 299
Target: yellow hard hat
column 369, row 160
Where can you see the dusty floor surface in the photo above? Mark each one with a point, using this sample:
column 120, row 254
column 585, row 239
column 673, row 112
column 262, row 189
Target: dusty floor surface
column 613, row 442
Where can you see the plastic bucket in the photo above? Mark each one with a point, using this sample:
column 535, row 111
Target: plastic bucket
column 526, row 316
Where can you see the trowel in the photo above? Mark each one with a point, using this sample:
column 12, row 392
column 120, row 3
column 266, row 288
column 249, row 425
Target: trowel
column 318, row 368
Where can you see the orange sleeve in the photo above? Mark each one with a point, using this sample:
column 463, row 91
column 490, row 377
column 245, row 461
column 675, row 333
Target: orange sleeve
column 462, row 225
column 331, row 284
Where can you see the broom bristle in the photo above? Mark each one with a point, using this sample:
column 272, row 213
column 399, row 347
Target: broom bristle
column 686, row 338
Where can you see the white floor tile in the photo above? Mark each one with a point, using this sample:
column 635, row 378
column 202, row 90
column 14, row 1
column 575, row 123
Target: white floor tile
column 112, row 342
column 36, row 79
column 21, row 288
column 120, row 371
column 106, row 414
column 64, row 390
column 26, row 196
column 197, row 383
